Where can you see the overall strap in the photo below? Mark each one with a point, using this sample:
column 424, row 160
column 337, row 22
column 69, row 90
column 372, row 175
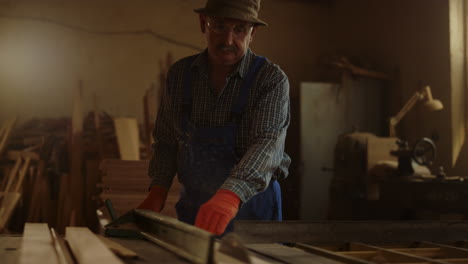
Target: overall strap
column 187, row 100
column 238, row 107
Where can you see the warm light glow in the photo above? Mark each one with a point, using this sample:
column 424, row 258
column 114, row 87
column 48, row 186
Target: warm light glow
column 28, row 54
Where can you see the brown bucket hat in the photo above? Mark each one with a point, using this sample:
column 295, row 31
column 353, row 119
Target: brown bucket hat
column 245, row 10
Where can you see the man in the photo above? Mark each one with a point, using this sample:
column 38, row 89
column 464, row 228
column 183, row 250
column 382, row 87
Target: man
column 222, row 125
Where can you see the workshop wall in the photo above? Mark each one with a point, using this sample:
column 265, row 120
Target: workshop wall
column 48, row 46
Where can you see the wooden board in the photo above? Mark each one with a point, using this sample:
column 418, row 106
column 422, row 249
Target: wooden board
column 37, row 245
column 88, row 248
column 118, row 248
column 74, row 215
column 5, row 131
column 10, row 248
column 128, row 138
column 289, row 254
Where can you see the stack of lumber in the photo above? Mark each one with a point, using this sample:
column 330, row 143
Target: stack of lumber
column 125, row 183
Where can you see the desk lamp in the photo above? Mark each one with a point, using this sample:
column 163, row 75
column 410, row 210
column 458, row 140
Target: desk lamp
column 424, row 94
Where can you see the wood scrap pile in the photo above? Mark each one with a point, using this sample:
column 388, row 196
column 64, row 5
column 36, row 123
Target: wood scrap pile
column 35, row 170
column 32, row 164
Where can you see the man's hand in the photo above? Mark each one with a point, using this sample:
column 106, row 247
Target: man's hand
column 155, row 199
column 215, row 215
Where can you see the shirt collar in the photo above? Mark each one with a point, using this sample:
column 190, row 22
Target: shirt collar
column 201, row 62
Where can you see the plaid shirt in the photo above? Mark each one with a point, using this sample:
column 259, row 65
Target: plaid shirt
column 261, row 130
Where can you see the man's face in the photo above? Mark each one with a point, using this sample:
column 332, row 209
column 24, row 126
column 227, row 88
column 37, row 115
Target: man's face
column 227, row 39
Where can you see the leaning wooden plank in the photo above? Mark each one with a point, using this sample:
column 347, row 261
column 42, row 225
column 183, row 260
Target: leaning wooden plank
column 37, row 246
column 87, row 248
column 22, row 174
column 5, row 131
column 76, row 181
column 8, row 202
column 63, row 254
column 128, row 138
column 12, row 175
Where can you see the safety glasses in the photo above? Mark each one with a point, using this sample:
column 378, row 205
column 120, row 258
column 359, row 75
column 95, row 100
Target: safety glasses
column 221, row 27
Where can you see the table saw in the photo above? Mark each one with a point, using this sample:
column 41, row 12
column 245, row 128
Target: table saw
column 160, row 239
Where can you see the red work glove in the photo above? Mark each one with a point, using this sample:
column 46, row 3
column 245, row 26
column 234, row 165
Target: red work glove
column 155, row 199
column 216, row 214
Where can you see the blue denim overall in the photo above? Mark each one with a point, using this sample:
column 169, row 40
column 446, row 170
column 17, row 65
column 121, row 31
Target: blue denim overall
column 207, row 155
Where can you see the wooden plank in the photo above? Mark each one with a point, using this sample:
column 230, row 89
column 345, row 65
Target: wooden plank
column 289, row 254
column 149, row 252
column 117, row 248
column 338, row 256
column 330, row 232
column 10, row 197
column 455, row 260
column 448, row 251
column 97, row 126
column 22, row 174
column 128, row 138
column 63, row 254
column 10, row 248
column 5, row 131
column 87, row 247
column 391, row 254
column 37, row 246
column 12, row 175
column 76, row 182
column 422, row 252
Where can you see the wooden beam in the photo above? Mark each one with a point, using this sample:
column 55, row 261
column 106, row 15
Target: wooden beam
column 87, row 247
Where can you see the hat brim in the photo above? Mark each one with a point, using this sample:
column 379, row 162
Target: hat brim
column 256, row 21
